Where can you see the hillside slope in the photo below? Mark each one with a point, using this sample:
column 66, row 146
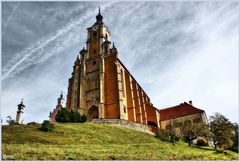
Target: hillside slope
column 96, row 141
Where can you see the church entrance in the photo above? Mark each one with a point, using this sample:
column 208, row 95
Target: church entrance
column 93, row 112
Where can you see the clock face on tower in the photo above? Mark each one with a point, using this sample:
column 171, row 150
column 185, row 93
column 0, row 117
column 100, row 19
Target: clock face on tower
column 95, row 28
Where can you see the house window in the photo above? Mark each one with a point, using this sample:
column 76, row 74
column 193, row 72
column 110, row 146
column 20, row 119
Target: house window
column 197, row 120
column 94, row 62
column 187, row 122
column 178, row 124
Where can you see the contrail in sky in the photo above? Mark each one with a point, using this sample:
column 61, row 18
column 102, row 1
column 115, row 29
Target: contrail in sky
column 31, row 55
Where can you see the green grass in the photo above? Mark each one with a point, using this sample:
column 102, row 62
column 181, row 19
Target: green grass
column 89, row 141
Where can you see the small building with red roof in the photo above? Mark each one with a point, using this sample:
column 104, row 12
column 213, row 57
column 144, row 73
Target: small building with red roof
column 180, row 114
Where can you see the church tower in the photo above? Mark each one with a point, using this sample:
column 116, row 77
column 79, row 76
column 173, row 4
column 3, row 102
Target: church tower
column 19, row 117
column 101, row 87
column 86, row 86
column 60, row 104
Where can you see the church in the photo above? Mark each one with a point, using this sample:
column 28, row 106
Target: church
column 101, row 87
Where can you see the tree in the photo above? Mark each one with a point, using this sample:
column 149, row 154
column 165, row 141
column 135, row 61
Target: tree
column 192, row 131
column 172, row 133
column 187, row 131
column 222, row 130
column 235, row 138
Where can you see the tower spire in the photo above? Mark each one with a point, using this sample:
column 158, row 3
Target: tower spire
column 99, row 16
column 61, row 96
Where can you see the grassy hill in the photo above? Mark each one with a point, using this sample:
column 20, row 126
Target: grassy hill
column 92, row 141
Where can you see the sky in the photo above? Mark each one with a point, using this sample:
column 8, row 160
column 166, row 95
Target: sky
column 177, row 51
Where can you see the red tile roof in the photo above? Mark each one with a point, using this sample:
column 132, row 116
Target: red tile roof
column 183, row 109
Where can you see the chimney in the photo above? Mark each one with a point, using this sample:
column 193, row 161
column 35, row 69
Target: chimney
column 190, row 102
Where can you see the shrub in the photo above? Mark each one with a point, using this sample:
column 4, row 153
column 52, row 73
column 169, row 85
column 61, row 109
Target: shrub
column 83, row 119
column 47, row 126
column 162, row 134
column 202, row 141
column 63, row 116
column 73, row 116
column 235, row 149
column 177, row 138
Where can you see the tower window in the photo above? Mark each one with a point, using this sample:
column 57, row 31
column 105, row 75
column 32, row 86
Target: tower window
column 106, row 49
column 94, row 51
column 95, row 35
column 94, row 62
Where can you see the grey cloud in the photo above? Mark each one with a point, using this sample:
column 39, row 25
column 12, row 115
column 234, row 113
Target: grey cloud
column 158, row 42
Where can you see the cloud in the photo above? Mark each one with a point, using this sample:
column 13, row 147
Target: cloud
column 44, row 47
column 177, row 51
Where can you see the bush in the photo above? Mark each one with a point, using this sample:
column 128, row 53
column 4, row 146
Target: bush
column 83, row 119
column 63, row 116
column 235, row 149
column 73, row 116
column 202, row 141
column 162, row 134
column 47, row 126
column 177, row 138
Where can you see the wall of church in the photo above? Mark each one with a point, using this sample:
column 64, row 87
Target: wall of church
column 151, row 114
column 69, row 96
column 111, row 95
column 94, row 46
column 130, row 106
column 139, row 107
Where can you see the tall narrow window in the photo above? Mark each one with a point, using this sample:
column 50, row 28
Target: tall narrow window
column 123, row 88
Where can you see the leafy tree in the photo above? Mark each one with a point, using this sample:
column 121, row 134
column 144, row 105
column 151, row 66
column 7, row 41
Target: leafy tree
column 47, row 126
column 187, row 131
column 192, row 131
column 172, row 133
column 222, row 130
column 235, row 146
